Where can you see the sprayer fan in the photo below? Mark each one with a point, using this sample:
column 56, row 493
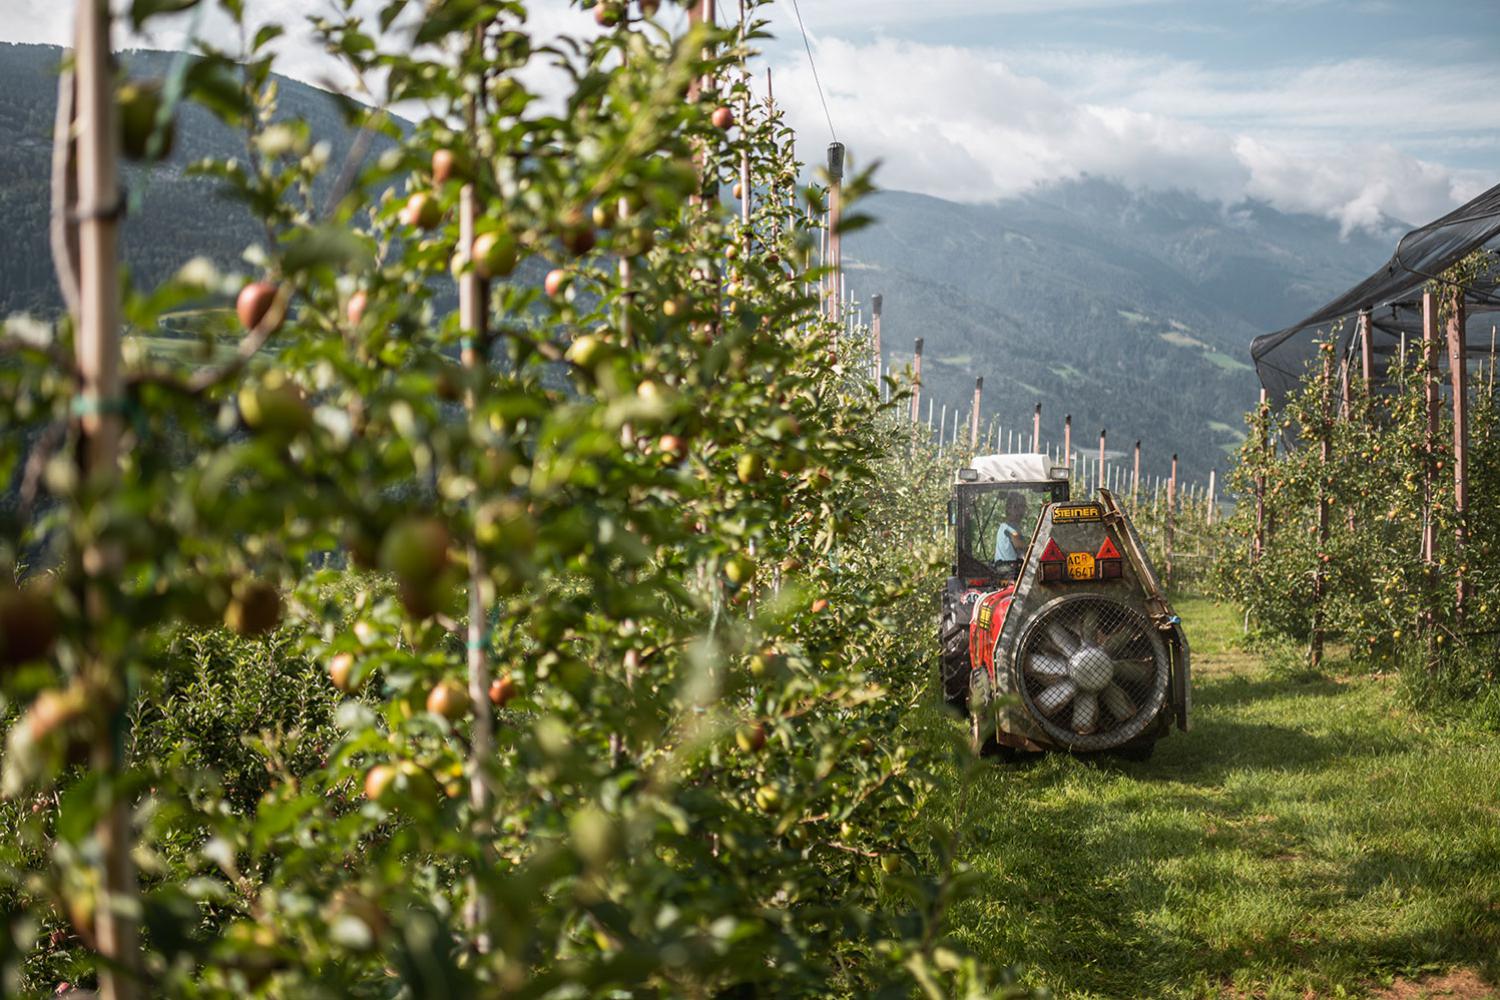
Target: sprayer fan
column 1092, row 672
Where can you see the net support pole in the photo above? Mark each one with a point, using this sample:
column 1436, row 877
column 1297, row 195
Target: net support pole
column 916, row 381
column 1320, row 573
column 1366, row 349
column 1458, row 373
column 1036, row 428
column 1099, row 478
column 876, row 303
column 835, row 223
column 1135, row 475
column 1432, row 402
column 1263, row 432
column 1068, row 439
column 1167, row 533
column 974, row 417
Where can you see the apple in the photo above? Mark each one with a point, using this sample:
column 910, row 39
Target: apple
column 604, row 215
column 28, row 626
column 650, row 7
column 557, row 282
column 448, row 165
column 739, row 569
column 768, row 798
column 254, row 304
column 341, row 672
column 378, row 781
column 422, row 210
column 577, row 235
column 494, row 254
column 673, row 447
column 139, row 103
column 890, row 863
column 502, row 690
column 750, row 738
column 587, row 351
column 750, row 468
column 415, row 550
column 448, row 699
column 723, row 118
column 275, row 407
column 609, row 13
column 355, row 310
column 739, row 192
column 254, row 609
column 820, row 605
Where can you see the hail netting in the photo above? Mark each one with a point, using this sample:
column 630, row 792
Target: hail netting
column 1393, row 295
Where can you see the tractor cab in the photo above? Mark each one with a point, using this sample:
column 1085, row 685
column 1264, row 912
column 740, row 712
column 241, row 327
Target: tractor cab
column 996, row 505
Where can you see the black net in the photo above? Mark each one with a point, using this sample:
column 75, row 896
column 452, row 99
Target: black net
column 1393, row 295
column 1093, row 672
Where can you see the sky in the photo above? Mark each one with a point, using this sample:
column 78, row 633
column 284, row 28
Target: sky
column 1363, row 111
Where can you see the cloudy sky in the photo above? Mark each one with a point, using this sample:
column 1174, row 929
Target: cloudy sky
column 1354, row 109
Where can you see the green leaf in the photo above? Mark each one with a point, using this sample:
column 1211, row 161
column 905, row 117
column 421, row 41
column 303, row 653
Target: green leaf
column 325, row 246
column 141, row 10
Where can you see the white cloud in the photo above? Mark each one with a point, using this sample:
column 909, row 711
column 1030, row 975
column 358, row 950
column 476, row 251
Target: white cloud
column 967, row 124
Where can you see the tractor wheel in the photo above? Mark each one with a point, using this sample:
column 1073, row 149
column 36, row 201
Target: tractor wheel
column 953, row 642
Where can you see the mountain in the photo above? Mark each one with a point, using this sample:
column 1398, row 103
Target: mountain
column 1132, row 311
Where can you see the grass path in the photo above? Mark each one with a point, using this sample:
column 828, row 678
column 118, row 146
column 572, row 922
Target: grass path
column 1308, row 838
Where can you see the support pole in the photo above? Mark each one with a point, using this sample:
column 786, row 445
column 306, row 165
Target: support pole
column 916, row 382
column 1263, row 430
column 97, row 354
column 1135, row 475
column 1068, row 440
column 1366, row 350
column 1458, row 371
column 974, row 417
column 1320, row 572
column 1167, row 532
column 1099, row 479
column 1036, row 428
column 835, row 223
column 1432, row 403
column 876, row 303
column 1212, row 485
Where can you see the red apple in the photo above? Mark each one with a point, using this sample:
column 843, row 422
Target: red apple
column 355, row 310
column 502, row 690
column 423, row 211
column 723, row 118
column 446, row 166
column 557, row 282
column 341, row 672
column 494, row 254
column 254, row 303
column 448, row 699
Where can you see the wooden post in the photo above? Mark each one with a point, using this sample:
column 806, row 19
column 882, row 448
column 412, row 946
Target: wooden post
column 1320, row 573
column 916, row 382
column 974, row 417
column 876, row 302
column 746, row 196
column 835, row 221
column 1458, row 371
column 1099, row 479
column 1263, row 428
column 1036, row 428
column 1135, row 475
column 1167, row 532
column 942, row 427
column 1068, row 440
column 97, row 354
column 1366, row 350
column 1432, row 402
column 1211, row 489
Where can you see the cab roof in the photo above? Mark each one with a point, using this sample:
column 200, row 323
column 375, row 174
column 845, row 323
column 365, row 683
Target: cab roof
column 1024, row 468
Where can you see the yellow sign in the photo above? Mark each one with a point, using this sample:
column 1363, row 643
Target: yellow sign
column 1071, row 513
column 1080, row 565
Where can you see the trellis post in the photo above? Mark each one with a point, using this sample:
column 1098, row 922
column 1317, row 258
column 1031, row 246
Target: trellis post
column 1366, row 349
column 1263, row 428
column 1099, row 479
column 1320, row 574
column 1432, row 403
column 876, row 303
column 1068, row 440
column 974, row 417
column 916, row 382
column 1171, row 510
column 1458, row 370
column 1135, row 475
column 835, row 222
column 1036, row 429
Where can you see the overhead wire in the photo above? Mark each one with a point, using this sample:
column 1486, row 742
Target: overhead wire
column 814, row 64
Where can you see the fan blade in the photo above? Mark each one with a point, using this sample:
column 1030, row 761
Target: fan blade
column 1046, row 667
column 1088, row 624
column 1118, row 702
column 1085, row 712
column 1136, row 671
column 1052, row 699
column 1064, row 640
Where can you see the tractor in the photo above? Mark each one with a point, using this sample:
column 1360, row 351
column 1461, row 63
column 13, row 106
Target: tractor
column 1055, row 633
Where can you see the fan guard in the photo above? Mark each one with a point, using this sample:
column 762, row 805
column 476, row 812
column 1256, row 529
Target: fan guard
column 1092, row 672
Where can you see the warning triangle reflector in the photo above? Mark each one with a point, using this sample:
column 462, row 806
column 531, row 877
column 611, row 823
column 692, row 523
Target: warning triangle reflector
column 1052, row 553
column 1107, row 550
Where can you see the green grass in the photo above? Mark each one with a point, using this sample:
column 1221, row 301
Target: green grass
column 1309, row 837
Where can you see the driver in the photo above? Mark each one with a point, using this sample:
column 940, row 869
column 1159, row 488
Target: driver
column 1010, row 544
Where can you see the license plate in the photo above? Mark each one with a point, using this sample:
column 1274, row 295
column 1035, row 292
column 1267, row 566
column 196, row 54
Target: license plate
column 1080, row 565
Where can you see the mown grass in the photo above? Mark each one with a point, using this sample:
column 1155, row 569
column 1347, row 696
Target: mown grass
column 1309, row 837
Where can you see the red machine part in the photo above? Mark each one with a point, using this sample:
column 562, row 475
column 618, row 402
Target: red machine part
column 984, row 627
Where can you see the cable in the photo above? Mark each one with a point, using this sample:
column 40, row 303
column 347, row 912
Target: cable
column 811, row 62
